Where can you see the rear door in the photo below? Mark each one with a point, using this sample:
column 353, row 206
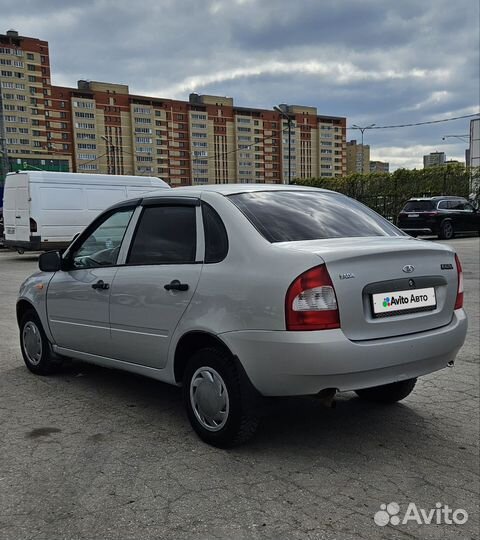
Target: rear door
column 17, row 208
column 151, row 292
column 413, row 216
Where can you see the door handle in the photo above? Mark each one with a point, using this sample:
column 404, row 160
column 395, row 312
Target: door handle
column 175, row 285
column 100, row 284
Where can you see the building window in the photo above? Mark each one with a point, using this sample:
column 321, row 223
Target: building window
column 86, row 136
column 84, row 104
column 84, row 115
column 142, row 110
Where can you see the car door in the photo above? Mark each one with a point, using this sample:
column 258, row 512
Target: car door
column 456, row 212
column 154, row 287
column 471, row 218
column 78, row 297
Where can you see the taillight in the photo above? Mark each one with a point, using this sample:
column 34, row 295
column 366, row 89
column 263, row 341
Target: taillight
column 311, row 303
column 430, row 214
column 459, row 300
column 33, row 225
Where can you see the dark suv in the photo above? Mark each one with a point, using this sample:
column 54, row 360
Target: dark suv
column 442, row 215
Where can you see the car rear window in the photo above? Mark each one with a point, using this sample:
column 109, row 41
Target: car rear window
column 287, row 216
column 418, row 206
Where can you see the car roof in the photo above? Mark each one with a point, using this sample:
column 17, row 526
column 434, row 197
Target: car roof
column 229, row 189
column 436, row 198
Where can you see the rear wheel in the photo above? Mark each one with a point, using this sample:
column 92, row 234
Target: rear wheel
column 388, row 393
column 36, row 349
column 218, row 403
column 446, row 230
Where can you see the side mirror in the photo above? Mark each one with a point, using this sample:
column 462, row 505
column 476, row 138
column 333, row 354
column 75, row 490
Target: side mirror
column 51, row 261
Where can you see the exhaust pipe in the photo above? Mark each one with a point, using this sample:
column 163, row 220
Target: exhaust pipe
column 327, row 397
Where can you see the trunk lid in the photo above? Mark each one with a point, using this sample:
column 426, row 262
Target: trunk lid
column 362, row 267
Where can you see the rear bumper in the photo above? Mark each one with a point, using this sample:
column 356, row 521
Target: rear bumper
column 34, row 244
column 281, row 363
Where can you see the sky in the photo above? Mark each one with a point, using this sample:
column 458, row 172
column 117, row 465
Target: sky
column 384, row 62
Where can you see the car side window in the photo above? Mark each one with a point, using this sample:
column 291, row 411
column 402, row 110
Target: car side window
column 468, row 208
column 443, row 205
column 165, row 235
column 102, row 245
column 457, row 205
column 216, row 240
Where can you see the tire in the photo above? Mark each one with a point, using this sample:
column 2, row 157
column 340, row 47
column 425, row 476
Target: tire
column 219, row 402
column 447, row 230
column 36, row 349
column 388, row 393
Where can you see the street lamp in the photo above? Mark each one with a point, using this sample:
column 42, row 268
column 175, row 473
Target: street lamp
column 464, row 138
column 109, row 141
column 289, row 118
column 362, row 130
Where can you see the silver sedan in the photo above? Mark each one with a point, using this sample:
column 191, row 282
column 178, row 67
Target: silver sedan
column 240, row 291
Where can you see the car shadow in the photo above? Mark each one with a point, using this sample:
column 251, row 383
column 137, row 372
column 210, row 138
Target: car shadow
column 286, row 425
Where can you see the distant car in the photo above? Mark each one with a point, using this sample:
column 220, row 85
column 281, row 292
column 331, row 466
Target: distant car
column 443, row 216
column 237, row 290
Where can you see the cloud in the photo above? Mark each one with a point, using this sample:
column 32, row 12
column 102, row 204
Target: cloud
column 372, row 61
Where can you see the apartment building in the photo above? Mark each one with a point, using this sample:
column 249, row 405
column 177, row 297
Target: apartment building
column 379, row 167
column 101, row 127
column 26, row 129
column 358, row 157
column 434, row 159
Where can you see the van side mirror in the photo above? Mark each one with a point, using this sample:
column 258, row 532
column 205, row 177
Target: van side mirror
column 51, row 261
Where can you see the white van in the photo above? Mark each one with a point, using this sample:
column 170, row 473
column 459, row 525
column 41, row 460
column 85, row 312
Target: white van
column 44, row 210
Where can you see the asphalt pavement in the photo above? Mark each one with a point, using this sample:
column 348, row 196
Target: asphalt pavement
column 95, row 454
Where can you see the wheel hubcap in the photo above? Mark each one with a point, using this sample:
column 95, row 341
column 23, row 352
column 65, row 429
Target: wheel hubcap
column 209, row 398
column 448, row 229
column 32, row 343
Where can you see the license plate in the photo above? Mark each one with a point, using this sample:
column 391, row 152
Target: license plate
column 394, row 302
column 10, row 230
column 413, row 215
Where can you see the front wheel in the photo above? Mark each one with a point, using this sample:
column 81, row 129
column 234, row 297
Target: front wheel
column 218, row 403
column 36, row 349
column 388, row 393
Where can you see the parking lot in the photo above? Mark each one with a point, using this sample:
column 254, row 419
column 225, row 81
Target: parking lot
column 97, row 454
